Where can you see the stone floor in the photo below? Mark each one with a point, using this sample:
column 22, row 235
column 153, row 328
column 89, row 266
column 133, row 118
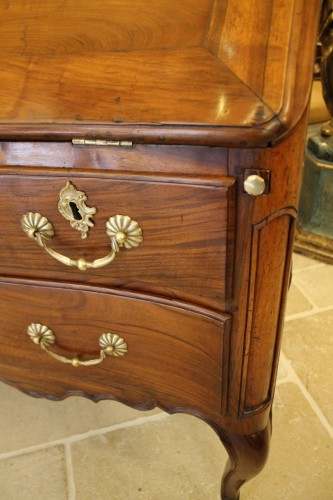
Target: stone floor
column 78, row 450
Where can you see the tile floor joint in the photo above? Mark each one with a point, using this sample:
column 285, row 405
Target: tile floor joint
column 70, row 472
column 294, row 378
column 67, row 441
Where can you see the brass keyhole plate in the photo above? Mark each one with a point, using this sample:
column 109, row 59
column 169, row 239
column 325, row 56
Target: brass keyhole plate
column 72, row 206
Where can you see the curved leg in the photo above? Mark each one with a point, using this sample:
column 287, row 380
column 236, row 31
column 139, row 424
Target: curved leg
column 247, row 457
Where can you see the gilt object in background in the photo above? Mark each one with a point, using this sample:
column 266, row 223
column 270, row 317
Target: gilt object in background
column 314, row 235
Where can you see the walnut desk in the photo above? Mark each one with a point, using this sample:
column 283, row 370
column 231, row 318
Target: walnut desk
column 150, row 163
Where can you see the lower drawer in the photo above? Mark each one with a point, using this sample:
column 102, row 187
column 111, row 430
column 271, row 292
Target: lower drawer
column 174, row 356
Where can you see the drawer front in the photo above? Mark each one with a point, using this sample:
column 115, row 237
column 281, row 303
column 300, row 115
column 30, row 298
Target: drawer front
column 174, row 356
column 187, row 224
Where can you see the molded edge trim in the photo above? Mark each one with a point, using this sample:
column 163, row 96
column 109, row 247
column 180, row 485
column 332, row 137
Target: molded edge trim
column 178, row 134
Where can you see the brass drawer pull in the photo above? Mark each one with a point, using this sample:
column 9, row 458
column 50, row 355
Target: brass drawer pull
column 123, row 231
column 110, row 343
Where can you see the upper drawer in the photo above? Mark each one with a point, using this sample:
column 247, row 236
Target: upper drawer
column 187, row 225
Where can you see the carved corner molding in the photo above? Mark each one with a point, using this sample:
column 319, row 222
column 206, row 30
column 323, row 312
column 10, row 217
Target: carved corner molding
column 271, row 253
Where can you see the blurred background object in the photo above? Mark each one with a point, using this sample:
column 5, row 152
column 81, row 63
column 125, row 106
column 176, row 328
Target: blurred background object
column 314, row 235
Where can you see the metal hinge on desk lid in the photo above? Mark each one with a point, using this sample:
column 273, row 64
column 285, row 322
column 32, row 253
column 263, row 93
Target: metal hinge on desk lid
column 101, row 142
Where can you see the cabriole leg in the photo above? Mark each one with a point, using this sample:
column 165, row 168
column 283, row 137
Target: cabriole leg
column 247, row 457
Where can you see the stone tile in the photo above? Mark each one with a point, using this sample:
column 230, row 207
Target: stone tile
column 302, row 262
column 40, row 475
column 26, row 421
column 282, row 370
column 301, row 456
column 308, row 344
column 296, row 302
column 177, row 457
column 180, row 457
column 318, row 284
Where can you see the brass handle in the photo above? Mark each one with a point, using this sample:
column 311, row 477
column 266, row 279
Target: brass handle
column 110, row 343
column 123, row 231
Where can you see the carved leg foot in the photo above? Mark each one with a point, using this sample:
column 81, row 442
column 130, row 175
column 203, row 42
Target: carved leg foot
column 247, row 457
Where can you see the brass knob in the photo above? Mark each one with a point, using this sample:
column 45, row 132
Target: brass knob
column 254, row 185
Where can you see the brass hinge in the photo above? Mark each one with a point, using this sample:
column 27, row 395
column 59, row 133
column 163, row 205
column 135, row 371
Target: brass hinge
column 101, row 142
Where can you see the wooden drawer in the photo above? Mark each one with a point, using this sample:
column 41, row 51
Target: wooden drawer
column 187, row 224
column 174, row 355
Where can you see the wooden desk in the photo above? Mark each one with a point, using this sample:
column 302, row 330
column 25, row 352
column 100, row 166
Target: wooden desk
column 150, row 164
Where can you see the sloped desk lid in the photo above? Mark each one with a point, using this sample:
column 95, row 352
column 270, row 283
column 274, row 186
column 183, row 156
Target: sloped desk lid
column 172, row 95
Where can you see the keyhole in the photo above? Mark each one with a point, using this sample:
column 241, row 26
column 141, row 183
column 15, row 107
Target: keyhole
column 75, row 211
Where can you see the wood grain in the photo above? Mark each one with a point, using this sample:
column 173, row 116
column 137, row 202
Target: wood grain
column 113, row 83
column 185, row 222
column 285, row 161
column 179, row 160
column 174, row 356
column 53, row 27
column 201, row 302
column 132, row 87
column 243, row 50
column 264, row 321
column 247, row 456
column 261, row 43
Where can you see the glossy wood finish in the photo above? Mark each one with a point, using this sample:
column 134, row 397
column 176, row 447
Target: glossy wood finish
column 174, row 355
column 247, row 457
column 98, row 79
column 200, row 233
column 215, row 264
column 179, row 160
column 261, row 43
column 262, row 246
column 258, row 306
column 100, row 26
column 139, row 92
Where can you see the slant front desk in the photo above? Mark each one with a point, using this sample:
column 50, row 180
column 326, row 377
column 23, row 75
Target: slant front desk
column 150, row 163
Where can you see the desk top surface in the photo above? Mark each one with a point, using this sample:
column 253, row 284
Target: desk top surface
column 190, row 74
